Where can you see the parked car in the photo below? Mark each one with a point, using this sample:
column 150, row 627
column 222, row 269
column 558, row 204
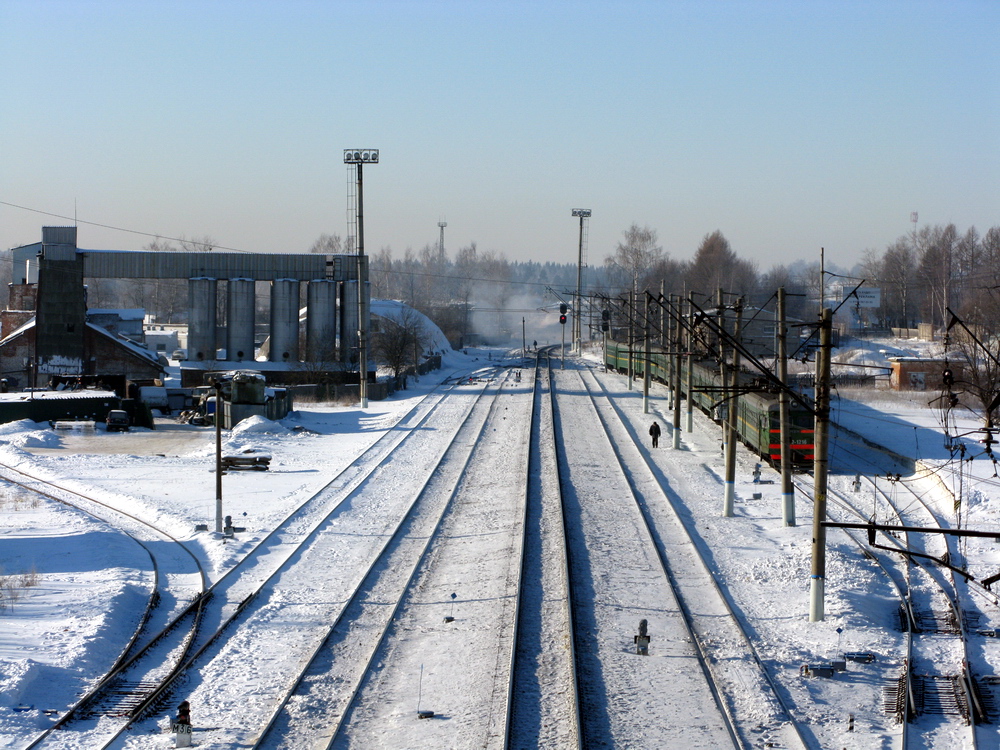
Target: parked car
column 179, row 355
column 117, row 421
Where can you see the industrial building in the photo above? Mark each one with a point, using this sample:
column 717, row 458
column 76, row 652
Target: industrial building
column 45, row 330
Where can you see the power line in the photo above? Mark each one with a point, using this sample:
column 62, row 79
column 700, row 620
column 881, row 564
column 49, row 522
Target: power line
column 76, row 221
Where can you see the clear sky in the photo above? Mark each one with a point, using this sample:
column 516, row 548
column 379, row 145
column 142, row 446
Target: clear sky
column 786, row 124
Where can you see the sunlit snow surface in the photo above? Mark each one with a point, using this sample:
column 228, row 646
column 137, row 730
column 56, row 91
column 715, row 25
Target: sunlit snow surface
column 59, row 634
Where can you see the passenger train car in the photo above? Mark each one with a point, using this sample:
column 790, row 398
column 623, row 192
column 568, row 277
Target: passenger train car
column 758, row 423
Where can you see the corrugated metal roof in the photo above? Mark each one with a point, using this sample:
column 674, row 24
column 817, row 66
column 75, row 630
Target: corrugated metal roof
column 126, row 264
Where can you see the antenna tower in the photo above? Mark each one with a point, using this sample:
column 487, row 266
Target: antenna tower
column 441, row 225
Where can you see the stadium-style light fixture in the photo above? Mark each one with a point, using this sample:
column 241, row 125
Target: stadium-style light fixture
column 360, row 156
column 583, row 213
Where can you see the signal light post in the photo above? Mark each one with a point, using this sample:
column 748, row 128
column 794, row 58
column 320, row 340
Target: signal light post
column 562, row 322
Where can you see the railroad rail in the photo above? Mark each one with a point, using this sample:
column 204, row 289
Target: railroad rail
column 147, row 683
column 379, row 605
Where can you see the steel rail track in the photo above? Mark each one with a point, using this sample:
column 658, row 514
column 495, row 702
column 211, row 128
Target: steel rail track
column 281, row 724
column 706, row 658
column 523, row 688
column 351, row 476
column 974, row 712
column 59, row 493
column 907, row 700
column 699, row 653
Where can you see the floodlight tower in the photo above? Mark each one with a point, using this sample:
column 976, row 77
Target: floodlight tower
column 441, row 225
column 583, row 213
column 359, row 157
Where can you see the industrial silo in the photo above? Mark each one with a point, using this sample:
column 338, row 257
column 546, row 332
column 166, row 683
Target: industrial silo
column 284, row 320
column 321, row 321
column 201, row 319
column 349, row 322
column 240, row 320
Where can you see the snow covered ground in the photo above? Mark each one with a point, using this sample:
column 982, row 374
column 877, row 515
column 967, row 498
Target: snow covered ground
column 64, row 575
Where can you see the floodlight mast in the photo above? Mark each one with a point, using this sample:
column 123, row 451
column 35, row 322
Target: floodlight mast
column 583, row 213
column 359, row 157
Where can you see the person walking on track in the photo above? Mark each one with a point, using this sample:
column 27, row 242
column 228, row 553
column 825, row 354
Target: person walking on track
column 654, row 432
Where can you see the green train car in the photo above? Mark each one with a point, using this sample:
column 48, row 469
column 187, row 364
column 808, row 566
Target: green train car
column 758, row 423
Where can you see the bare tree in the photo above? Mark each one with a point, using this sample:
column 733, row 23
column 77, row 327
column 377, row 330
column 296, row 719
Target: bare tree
column 716, row 266
column 327, row 244
column 897, row 279
column 203, row 244
column 979, row 354
column 380, row 272
column 936, row 268
column 400, row 342
column 630, row 265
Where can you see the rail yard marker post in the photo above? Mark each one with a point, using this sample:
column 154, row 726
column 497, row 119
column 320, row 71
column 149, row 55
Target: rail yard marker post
column 642, row 640
column 182, row 725
column 787, row 490
column 817, row 589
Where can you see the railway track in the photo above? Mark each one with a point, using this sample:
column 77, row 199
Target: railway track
column 753, row 703
column 145, row 683
column 620, row 590
column 938, row 698
column 178, row 588
column 937, row 671
column 544, row 709
column 348, row 682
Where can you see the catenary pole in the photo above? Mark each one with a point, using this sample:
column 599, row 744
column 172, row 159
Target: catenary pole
column 218, row 456
column 787, row 490
column 732, row 414
column 646, row 356
column 631, row 338
column 689, row 402
column 817, row 589
column 677, row 341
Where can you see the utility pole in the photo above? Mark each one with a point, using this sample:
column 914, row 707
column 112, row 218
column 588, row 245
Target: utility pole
column 732, row 413
column 669, row 357
column 631, row 337
column 787, row 490
column 583, row 213
column 218, row 456
column 690, row 363
column 646, row 352
column 675, row 441
column 817, row 589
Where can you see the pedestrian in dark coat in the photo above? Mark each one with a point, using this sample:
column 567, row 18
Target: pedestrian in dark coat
column 654, row 432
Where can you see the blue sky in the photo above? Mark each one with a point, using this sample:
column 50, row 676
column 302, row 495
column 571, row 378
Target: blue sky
column 786, row 125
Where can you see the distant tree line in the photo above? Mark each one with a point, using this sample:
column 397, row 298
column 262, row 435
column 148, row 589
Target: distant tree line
column 921, row 275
